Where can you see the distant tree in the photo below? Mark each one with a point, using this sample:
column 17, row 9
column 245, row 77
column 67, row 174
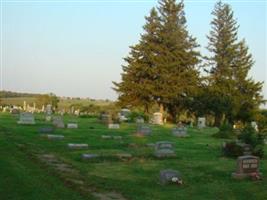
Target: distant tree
column 233, row 92
column 45, row 99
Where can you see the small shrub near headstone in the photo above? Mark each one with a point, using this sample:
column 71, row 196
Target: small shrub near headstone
column 170, row 176
column 225, row 131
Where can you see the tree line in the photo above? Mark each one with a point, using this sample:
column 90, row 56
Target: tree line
column 165, row 68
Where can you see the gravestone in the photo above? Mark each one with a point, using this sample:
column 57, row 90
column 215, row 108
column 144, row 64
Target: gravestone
column 46, row 130
column 143, row 130
column 72, row 125
column 247, row 166
column 106, row 136
column 124, row 114
column 139, row 120
column 105, row 118
column 117, row 137
column 87, row 156
column 54, row 137
column 255, row 126
column 164, row 149
column 180, row 132
column 26, row 118
column 170, row 176
column 58, row 122
column 48, row 112
column 157, row 118
column 113, row 126
column 77, row 146
column 15, row 111
column 201, row 122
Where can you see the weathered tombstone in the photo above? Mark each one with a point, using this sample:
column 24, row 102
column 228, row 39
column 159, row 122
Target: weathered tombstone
column 180, row 132
column 15, row 111
column 77, row 146
column 48, row 111
column 26, row 118
column 124, row 114
column 105, row 118
column 117, row 137
column 89, row 156
column 46, row 130
column 106, row 136
column 143, row 130
column 139, row 120
column 113, row 126
column 157, row 118
column 58, row 122
column 164, row 149
column 247, row 166
column 255, row 126
column 72, row 125
column 170, row 176
column 201, row 122
column 124, row 156
column 54, row 137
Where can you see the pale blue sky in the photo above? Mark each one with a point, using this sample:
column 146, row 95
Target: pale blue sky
column 76, row 48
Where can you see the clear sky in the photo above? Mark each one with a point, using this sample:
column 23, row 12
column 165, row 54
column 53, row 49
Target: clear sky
column 76, row 48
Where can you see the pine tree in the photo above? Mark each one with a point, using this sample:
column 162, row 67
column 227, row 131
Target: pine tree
column 234, row 94
column 138, row 77
column 176, row 64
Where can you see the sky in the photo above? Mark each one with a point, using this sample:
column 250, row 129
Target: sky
column 76, row 48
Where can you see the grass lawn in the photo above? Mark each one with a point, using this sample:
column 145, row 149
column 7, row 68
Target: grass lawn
column 206, row 174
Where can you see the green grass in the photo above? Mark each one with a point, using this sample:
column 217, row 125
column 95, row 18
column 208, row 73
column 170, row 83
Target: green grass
column 206, row 174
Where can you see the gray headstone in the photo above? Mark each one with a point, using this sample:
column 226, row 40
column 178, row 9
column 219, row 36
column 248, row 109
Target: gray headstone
column 170, row 176
column 89, row 156
column 54, row 137
column 180, row 132
column 246, row 166
column 113, row 126
column 77, row 146
column 46, row 130
column 164, row 149
column 106, row 136
column 201, row 122
column 26, row 118
column 143, row 130
column 58, row 122
column 72, row 125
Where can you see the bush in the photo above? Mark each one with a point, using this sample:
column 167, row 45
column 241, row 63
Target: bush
column 226, row 131
column 134, row 115
column 232, row 149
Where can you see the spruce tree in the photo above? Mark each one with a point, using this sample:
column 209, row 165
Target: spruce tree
column 138, row 77
column 234, row 93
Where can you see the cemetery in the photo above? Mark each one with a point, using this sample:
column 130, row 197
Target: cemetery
column 175, row 117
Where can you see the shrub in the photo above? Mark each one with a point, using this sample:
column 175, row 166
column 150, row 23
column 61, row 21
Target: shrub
column 232, row 149
column 226, row 131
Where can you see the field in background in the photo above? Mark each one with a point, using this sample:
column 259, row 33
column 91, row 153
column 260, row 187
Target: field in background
column 206, row 174
column 62, row 104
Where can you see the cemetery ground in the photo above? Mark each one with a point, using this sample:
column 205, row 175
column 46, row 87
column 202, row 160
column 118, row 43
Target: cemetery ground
column 33, row 167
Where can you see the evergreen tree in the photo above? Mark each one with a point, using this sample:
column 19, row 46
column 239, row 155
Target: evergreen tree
column 138, row 73
column 177, row 76
column 234, row 94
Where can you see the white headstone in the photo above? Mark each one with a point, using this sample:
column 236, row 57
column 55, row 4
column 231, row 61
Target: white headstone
column 201, row 122
column 72, row 125
column 26, row 118
column 157, row 118
column 113, row 126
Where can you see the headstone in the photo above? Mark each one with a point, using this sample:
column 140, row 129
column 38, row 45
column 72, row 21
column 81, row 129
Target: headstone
column 139, row 120
column 170, row 176
column 54, row 137
column 247, row 166
column 105, row 118
column 58, row 122
column 48, row 111
column 77, row 146
column 124, row 155
column 24, row 105
column 106, row 136
column 255, row 126
column 15, row 111
column 72, row 125
column 124, row 114
column 89, row 156
column 157, row 118
column 180, row 132
column 143, row 130
column 26, row 118
column 113, row 126
column 46, row 130
column 164, row 149
column 117, row 137
column 201, row 122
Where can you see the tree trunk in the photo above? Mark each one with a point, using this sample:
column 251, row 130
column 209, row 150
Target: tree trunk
column 218, row 120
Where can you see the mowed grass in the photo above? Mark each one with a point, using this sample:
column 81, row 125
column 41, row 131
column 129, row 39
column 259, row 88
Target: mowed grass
column 206, row 174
